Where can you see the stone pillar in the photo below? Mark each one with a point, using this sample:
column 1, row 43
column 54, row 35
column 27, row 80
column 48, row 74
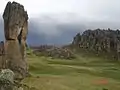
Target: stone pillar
column 15, row 29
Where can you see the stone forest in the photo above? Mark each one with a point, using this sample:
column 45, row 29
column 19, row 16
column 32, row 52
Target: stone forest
column 91, row 61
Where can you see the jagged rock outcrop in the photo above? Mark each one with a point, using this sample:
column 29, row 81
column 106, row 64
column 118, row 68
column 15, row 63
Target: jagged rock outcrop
column 15, row 29
column 54, row 52
column 99, row 41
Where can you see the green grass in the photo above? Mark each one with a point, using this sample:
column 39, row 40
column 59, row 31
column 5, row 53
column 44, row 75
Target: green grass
column 86, row 72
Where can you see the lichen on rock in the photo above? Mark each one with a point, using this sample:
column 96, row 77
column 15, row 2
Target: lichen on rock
column 6, row 79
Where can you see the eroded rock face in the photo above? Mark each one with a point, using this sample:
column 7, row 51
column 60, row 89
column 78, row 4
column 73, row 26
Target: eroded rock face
column 14, row 19
column 16, row 29
column 99, row 40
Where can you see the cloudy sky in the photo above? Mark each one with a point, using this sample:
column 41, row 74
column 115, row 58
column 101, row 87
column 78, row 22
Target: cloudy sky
column 104, row 10
column 52, row 18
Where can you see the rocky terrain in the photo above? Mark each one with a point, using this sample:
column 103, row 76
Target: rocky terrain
column 54, row 73
column 100, row 41
column 53, row 51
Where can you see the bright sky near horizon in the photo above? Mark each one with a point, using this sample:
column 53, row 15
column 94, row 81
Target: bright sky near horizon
column 103, row 10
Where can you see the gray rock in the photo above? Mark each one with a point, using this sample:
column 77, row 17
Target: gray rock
column 6, row 79
column 99, row 40
column 16, row 29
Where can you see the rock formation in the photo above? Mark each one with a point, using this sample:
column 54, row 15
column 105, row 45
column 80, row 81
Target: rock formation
column 15, row 29
column 7, row 81
column 53, row 51
column 99, row 41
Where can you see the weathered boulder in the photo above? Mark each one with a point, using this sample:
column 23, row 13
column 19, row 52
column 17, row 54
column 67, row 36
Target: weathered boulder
column 16, row 29
column 6, row 79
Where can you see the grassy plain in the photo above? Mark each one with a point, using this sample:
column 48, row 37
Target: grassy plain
column 86, row 72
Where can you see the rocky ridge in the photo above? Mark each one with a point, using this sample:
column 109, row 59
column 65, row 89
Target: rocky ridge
column 99, row 40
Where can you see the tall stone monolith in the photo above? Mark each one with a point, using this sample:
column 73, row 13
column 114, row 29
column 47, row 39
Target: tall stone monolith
column 16, row 29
